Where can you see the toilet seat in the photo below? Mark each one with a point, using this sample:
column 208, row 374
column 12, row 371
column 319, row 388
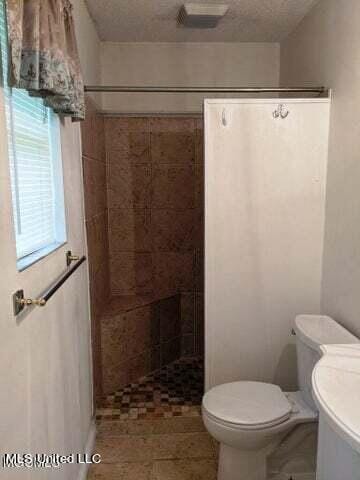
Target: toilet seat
column 248, row 405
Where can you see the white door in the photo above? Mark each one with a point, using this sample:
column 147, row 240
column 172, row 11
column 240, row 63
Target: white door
column 264, row 224
column 45, row 357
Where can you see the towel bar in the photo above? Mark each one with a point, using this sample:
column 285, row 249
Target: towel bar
column 20, row 302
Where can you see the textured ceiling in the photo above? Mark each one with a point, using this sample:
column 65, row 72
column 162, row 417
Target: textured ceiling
column 155, row 20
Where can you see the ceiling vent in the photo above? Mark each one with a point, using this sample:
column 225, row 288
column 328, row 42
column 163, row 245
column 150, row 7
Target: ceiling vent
column 203, row 15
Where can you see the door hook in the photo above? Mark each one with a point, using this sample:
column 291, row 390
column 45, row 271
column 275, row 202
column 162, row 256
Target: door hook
column 223, row 117
column 280, row 112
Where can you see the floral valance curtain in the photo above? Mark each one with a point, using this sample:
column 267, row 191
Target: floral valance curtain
column 43, row 54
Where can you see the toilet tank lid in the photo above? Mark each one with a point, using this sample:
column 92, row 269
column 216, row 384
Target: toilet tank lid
column 317, row 330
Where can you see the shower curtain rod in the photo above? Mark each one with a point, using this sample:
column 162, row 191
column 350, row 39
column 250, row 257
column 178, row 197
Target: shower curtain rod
column 128, row 89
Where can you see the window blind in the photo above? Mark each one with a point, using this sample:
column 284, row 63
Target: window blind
column 33, row 142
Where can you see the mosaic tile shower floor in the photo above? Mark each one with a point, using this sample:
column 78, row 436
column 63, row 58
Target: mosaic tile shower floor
column 175, row 390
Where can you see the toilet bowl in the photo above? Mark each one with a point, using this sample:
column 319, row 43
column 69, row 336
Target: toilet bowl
column 250, row 419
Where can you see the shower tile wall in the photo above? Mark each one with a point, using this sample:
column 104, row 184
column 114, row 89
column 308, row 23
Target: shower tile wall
column 94, row 171
column 139, row 335
column 143, row 182
column 155, row 201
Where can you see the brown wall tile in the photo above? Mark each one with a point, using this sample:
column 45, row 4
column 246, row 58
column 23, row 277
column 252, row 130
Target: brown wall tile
column 124, row 303
column 96, row 359
column 129, row 230
column 155, row 323
column 199, row 143
column 94, row 187
column 199, row 187
column 187, row 345
column 199, row 123
column 100, row 148
column 126, row 347
column 100, row 283
column 131, row 274
column 139, row 366
column 172, row 230
column 199, row 269
column 173, row 147
column 128, row 187
column 155, row 358
column 92, row 132
column 187, row 313
column 154, row 191
column 170, row 351
column 115, row 375
column 114, row 354
column 173, row 272
column 170, row 323
column 95, row 195
column 113, row 333
column 115, row 127
column 173, row 186
column 131, row 148
column 199, row 226
column 138, row 341
column 97, row 237
column 138, row 331
column 171, row 124
column 134, row 187
column 199, row 324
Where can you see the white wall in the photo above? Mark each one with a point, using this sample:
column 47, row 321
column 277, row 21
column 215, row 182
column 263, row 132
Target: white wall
column 89, row 47
column 45, row 357
column 183, row 64
column 264, row 228
column 325, row 49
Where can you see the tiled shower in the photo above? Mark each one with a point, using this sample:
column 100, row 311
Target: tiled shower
column 143, row 180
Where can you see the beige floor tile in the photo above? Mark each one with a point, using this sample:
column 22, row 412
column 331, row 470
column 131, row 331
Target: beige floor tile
column 121, row 471
column 216, row 447
column 146, row 427
column 184, row 470
column 137, row 448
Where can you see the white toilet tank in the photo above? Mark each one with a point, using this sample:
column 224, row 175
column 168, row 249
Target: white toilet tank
column 311, row 332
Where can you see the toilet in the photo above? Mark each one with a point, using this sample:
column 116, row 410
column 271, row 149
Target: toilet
column 250, row 419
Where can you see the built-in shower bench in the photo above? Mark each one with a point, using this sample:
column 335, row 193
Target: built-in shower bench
column 139, row 334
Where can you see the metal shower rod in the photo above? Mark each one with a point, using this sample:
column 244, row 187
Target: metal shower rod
column 145, row 89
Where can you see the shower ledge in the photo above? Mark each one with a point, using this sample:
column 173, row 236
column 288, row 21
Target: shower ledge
column 125, row 303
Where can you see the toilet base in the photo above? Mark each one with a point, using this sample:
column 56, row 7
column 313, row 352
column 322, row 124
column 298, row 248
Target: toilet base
column 235, row 464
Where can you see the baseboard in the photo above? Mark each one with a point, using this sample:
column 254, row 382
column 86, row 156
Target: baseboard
column 89, row 450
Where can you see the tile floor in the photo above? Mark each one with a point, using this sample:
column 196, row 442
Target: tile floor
column 176, row 448
column 179, row 448
column 175, row 390
column 152, row 429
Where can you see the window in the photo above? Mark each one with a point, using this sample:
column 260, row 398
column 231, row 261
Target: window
column 35, row 168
